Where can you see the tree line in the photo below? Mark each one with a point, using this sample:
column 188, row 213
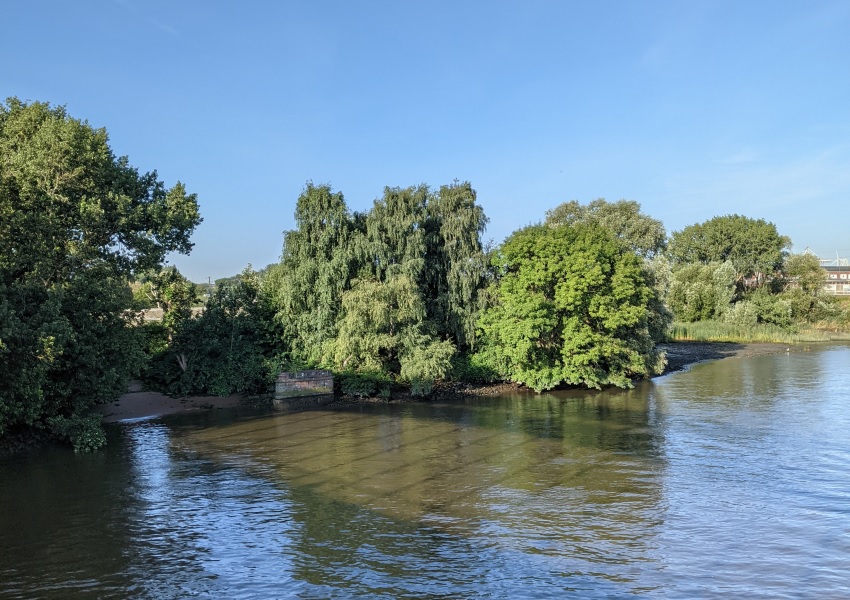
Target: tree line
column 404, row 294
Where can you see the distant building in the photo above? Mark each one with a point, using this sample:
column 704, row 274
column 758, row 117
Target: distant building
column 837, row 282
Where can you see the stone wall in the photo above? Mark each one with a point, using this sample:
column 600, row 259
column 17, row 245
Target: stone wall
column 295, row 384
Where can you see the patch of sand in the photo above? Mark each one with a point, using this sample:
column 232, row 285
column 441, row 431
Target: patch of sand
column 137, row 404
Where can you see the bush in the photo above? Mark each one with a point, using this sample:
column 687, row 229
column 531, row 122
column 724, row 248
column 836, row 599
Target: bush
column 700, row 292
column 761, row 307
column 471, row 368
column 423, row 363
column 365, row 385
column 232, row 347
column 85, row 433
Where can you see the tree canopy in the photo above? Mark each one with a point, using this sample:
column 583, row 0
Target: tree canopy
column 316, row 267
column 337, row 267
column 75, row 222
column 571, row 306
column 753, row 246
column 641, row 233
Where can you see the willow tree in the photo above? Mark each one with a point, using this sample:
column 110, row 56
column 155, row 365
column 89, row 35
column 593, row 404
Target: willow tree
column 429, row 240
column 700, row 292
column 435, row 239
column 384, row 330
column 395, row 234
column 571, row 306
column 456, row 262
column 315, row 269
column 75, row 223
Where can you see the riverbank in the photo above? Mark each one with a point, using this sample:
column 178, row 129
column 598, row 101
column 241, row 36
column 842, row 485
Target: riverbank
column 681, row 355
column 138, row 403
column 141, row 404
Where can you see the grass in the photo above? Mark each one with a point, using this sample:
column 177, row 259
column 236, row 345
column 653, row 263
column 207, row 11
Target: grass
column 714, row 331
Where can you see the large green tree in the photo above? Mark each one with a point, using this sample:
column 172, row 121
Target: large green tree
column 415, row 236
column 317, row 264
column 456, row 265
column 434, row 238
column 753, row 246
column 571, row 306
column 75, row 222
column 640, row 232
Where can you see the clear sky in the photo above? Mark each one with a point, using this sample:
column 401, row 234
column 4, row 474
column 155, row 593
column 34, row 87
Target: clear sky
column 692, row 108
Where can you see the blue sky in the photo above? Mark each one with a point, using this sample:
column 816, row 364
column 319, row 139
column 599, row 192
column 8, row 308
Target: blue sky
column 694, row 109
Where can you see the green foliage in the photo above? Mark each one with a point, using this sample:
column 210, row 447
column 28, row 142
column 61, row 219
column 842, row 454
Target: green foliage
column 435, row 240
column 572, row 306
column 168, row 290
column 761, row 306
column 67, row 347
column 395, row 235
column 153, row 337
column 365, row 384
column 753, row 246
column 471, row 368
column 704, row 292
column 231, row 347
column 659, row 274
column 416, row 253
column 316, row 267
column 699, row 292
column 456, row 266
column 811, row 308
column 423, row 361
column 75, row 223
column 803, row 272
column 383, row 329
column 644, row 235
column 66, row 201
column 84, row 432
column 641, row 233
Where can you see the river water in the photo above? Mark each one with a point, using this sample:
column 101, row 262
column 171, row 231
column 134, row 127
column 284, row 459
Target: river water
column 731, row 479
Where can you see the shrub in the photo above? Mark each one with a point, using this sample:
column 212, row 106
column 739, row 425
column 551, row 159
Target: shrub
column 83, row 432
column 365, row 384
column 471, row 368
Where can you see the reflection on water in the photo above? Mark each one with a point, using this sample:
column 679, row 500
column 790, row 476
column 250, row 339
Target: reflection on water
column 731, row 479
column 535, row 483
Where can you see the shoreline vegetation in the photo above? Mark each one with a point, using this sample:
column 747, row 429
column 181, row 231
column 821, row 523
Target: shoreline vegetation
column 715, row 331
column 404, row 299
column 139, row 404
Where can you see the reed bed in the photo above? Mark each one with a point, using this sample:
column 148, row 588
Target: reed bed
column 715, row 331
